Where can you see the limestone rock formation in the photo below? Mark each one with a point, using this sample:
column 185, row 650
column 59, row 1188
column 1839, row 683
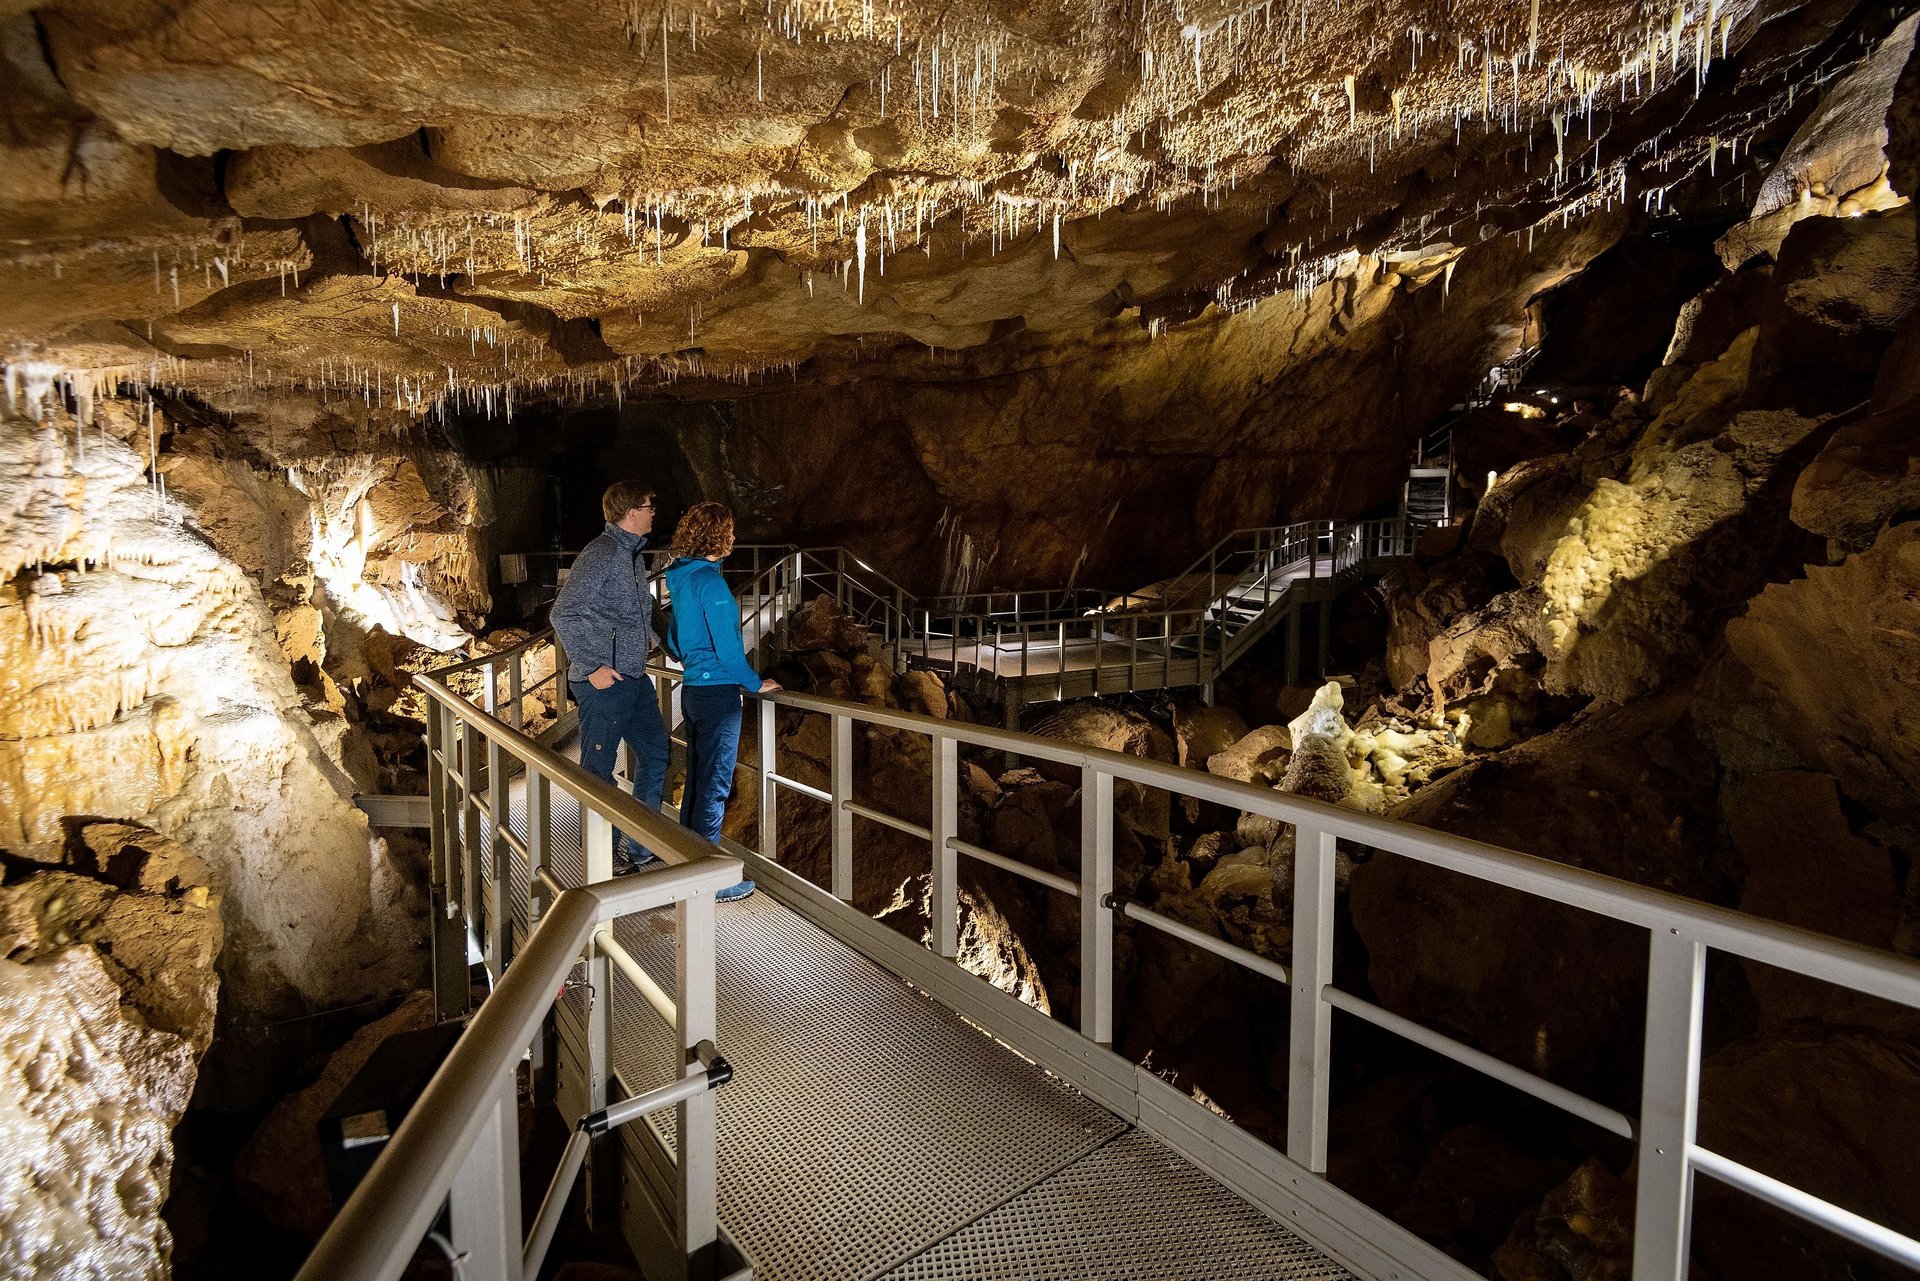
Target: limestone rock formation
column 1628, row 792
column 107, row 993
column 148, row 685
column 1838, row 650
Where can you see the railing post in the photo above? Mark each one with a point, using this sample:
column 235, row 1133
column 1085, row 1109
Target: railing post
column 697, row 1166
column 1309, row 1058
column 841, row 788
column 561, row 693
column 1061, row 679
column 484, row 1203
column 473, row 895
column 944, row 825
column 1669, row 1104
column 449, row 928
column 1096, row 918
column 539, row 843
column 516, row 690
column 769, row 790
column 494, row 939
column 597, row 840
column 603, row 1170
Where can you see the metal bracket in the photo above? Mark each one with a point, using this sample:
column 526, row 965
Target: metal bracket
column 1114, row 902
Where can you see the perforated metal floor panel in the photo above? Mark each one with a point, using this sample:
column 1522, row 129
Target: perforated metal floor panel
column 864, row 1120
column 1131, row 1211
column 872, row 1133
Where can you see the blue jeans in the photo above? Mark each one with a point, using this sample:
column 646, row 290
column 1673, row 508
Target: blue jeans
column 713, row 745
column 628, row 712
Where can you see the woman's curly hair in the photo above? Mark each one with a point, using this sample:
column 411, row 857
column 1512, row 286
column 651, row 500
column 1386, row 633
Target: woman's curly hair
column 706, row 530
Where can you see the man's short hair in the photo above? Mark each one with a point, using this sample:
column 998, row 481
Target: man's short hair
column 622, row 497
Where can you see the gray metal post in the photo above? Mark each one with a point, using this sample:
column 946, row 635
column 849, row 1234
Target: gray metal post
column 943, row 824
column 769, row 790
column 696, row 1118
column 1669, row 1104
column 450, row 994
column 841, row 788
column 539, row 842
column 1311, row 1036
column 472, row 846
column 1096, row 918
column 499, row 935
column 516, row 691
column 484, row 1204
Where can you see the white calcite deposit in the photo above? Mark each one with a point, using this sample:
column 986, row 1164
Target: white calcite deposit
column 142, row 680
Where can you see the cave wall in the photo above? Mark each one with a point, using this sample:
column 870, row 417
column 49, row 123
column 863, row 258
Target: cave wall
column 1115, row 457
column 146, row 683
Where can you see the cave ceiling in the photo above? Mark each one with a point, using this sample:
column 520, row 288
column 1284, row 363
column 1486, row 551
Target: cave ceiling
column 428, row 204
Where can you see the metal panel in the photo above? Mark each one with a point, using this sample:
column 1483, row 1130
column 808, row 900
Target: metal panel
column 865, row 1120
column 1132, row 1209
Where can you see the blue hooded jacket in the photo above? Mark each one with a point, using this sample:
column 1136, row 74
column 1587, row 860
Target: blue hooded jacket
column 705, row 629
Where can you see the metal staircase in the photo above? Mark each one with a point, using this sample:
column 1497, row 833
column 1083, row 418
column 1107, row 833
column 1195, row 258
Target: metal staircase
column 1022, row 647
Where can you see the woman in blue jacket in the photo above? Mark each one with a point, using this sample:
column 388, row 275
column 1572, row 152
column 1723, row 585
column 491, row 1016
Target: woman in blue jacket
column 705, row 635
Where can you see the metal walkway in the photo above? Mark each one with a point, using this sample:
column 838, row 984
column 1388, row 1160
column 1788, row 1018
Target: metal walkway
column 1017, row 648
column 891, row 1114
column 874, row 1133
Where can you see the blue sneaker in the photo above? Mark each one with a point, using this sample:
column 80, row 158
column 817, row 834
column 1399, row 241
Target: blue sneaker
column 734, row 893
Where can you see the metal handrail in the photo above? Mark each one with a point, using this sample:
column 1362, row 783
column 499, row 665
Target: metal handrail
column 1209, row 633
column 460, row 1135
column 1681, row 932
column 459, row 1144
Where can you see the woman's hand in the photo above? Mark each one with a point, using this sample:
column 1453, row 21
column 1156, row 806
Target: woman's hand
column 769, row 686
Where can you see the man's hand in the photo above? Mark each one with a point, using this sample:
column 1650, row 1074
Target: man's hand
column 769, row 686
column 603, row 677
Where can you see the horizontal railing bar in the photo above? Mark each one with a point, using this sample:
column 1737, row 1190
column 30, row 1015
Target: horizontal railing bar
column 887, row 820
column 1879, row 973
column 1499, row 1069
column 1208, row 942
column 670, row 840
column 1006, row 864
column 805, row 789
column 662, row 1004
column 1845, row 1223
column 375, row 1234
column 664, row 1096
column 512, row 838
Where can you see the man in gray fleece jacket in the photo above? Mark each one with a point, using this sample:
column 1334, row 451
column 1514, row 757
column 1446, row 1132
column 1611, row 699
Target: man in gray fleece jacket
column 603, row 617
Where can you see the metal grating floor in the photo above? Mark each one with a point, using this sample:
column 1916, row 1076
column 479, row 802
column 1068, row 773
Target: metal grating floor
column 865, row 1121
column 1131, row 1211
column 870, row 1132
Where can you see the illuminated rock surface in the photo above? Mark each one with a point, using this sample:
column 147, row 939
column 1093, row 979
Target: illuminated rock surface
column 107, row 996
column 996, row 296
column 146, row 682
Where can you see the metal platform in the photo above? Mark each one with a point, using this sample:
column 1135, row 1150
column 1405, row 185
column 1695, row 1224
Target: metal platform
column 1130, row 1211
column 872, row 1132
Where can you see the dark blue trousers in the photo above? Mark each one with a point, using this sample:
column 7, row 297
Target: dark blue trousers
column 713, row 746
column 627, row 712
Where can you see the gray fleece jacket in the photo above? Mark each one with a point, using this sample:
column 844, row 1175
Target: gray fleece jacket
column 604, row 614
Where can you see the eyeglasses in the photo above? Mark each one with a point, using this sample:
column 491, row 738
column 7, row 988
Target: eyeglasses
column 644, row 507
